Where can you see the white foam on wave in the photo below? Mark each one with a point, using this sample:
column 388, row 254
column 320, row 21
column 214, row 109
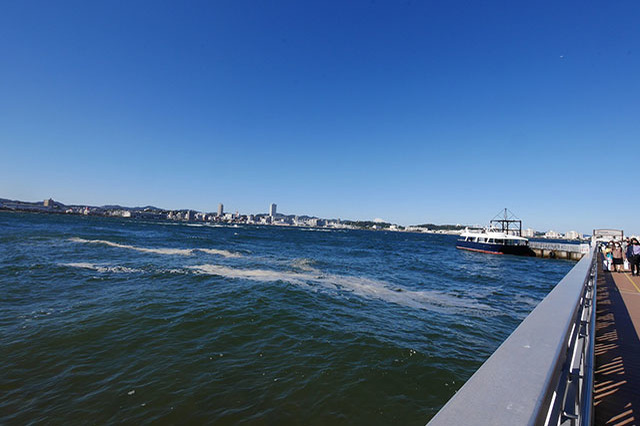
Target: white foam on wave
column 170, row 251
column 219, row 252
column 360, row 286
column 264, row 275
column 184, row 252
column 304, row 264
column 102, row 268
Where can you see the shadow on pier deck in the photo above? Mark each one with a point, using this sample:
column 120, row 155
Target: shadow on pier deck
column 617, row 349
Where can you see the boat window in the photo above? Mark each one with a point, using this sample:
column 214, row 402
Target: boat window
column 490, row 240
column 482, row 240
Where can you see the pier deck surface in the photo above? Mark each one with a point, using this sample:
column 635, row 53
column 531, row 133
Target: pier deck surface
column 617, row 349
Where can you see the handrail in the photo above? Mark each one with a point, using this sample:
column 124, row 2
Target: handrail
column 577, row 248
column 543, row 372
column 586, row 411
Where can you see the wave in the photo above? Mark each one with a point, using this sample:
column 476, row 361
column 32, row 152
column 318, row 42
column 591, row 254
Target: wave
column 304, row 264
column 170, row 251
column 360, row 286
column 184, row 252
column 99, row 268
column 219, row 252
column 250, row 274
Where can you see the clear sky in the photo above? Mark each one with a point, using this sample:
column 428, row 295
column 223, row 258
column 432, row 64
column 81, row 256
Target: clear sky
column 412, row 112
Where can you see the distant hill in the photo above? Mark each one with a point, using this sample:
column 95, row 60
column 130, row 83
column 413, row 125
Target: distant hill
column 368, row 224
column 119, row 207
column 434, row 227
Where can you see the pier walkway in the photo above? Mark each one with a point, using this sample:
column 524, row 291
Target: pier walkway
column 616, row 394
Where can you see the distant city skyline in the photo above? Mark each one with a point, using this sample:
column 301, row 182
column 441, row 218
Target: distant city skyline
column 52, row 206
column 413, row 113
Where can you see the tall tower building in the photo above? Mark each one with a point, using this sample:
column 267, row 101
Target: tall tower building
column 220, row 209
column 272, row 209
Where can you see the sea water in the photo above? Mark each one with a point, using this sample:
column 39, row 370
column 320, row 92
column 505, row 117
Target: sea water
column 106, row 320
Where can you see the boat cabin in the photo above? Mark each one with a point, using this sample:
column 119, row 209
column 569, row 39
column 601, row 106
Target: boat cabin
column 503, row 241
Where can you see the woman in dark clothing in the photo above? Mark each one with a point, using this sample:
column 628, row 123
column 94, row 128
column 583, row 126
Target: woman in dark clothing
column 635, row 257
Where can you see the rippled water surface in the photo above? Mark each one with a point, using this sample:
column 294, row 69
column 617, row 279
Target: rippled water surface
column 111, row 320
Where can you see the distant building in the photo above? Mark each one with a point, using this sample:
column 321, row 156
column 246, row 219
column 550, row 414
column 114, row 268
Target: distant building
column 572, row 235
column 528, row 233
column 552, row 234
column 220, row 209
column 272, row 209
column 48, row 203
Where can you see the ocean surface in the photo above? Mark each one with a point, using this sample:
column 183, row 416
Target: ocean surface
column 107, row 320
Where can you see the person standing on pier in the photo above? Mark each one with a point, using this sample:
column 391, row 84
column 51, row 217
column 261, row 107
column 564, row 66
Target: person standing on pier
column 608, row 260
column 635, row 256
column 617, row 257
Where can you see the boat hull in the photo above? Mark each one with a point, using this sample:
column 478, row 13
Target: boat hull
column 489, row 248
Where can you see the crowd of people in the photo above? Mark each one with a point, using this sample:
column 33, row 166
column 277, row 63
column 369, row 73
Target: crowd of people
column 620, row 256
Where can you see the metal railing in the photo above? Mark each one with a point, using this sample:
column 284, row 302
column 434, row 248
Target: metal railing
column 543, row 373
column 577, row 248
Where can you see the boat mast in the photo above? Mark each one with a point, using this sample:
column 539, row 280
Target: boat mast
column 508, row 222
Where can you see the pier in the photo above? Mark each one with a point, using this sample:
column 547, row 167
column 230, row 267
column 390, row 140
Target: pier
column 559, row 250
column 616, row 396
column 575, row 360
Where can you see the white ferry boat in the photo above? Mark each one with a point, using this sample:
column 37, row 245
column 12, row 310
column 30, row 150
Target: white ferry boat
column 505, row 239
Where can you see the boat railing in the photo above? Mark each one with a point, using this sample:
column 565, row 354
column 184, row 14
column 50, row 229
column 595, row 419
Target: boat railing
column 543, row 372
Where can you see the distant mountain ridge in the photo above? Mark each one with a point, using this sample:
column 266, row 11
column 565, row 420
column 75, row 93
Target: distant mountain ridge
column 108, row 206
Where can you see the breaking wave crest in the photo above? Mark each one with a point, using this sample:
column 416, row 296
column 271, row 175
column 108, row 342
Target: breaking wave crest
column 170, row 251
column 219, row 252
column 363, row 287
column 264, row 275
column 302, row 274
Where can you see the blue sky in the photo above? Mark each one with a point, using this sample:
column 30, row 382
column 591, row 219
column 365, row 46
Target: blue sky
column 413, row 112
